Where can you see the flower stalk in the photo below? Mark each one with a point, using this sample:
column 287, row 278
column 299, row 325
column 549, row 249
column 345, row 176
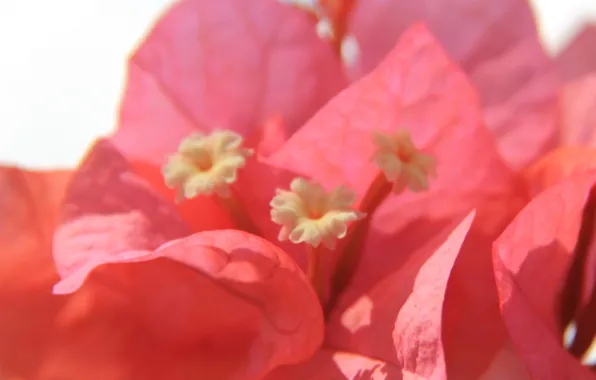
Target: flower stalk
column 317, row 266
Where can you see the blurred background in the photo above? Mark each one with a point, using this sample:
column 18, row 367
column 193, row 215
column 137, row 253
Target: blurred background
column 63, row 62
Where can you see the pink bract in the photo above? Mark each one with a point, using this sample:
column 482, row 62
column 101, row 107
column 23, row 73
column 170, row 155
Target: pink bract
column 496, row 43
column 531, row 258
column 228, row 64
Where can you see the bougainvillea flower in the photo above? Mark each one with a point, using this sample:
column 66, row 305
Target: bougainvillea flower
column 579, row 56
column 496, row 43
column 207, row 297
column 531, row 259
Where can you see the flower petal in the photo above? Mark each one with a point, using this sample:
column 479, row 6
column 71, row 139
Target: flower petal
column 337, row 365
column 530, row 260
column 108, row 212
column 558, row 165
column 496, row 43
column 269, row 137
column 227, row 64
column 471, row 294
column 200, row 213
column 225, row 295
column 578, row 111
column 579, row 57
column 29, row 203
column 119, row 242
column 399, row 320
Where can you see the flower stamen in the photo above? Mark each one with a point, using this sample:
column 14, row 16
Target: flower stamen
column 206, row 164
column 308, row 214
column 401, row 162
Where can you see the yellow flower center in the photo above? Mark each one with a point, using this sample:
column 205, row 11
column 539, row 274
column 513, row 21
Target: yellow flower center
column 308, row 214
column 401, row 162
column 206, row 164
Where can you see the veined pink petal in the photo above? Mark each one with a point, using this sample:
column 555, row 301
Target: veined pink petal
column 225, row 295
column 496, row 43
column 530, row 261
column 113, row 206
column 109, row 212
column 223, row 64
column 400, row 319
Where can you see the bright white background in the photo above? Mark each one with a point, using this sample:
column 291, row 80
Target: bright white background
column 62, row 68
